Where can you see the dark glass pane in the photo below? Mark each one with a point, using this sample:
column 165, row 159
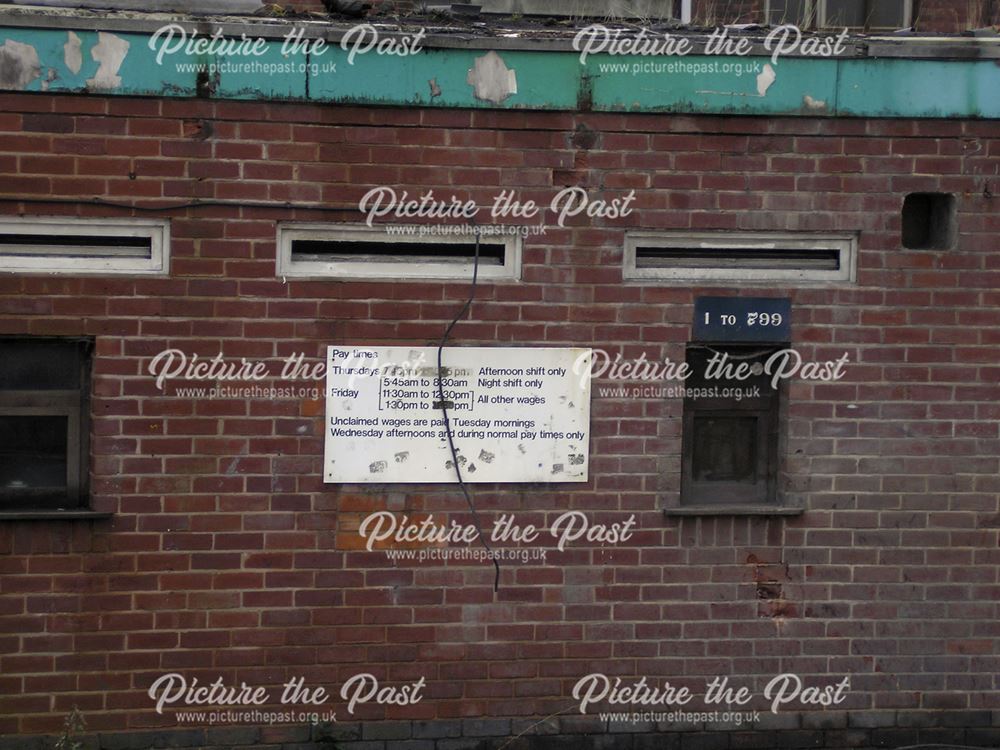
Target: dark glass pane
column 886, row 14
column 846, row 12
column 865, row 13
column 788, row 12
column 40, row 365
column 725, row 449
column 32, row 455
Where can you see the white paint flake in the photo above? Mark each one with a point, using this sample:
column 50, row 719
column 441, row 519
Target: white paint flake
column 72, row 53
column 765, row 79
column 491, row 79
column 110, row 52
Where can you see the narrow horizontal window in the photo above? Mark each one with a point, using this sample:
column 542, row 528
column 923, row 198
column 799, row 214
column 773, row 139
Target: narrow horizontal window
column 70, row 245
column 856, row 14
column 393, row 251
column 644, row 10
column 745, row 257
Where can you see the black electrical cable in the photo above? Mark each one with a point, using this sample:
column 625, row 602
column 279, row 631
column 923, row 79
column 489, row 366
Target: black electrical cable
column 444, row 339
column 447, row 423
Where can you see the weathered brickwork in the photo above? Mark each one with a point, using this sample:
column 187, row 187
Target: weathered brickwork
column 227, row 555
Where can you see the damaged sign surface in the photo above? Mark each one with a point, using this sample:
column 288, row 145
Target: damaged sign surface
column 516, row 414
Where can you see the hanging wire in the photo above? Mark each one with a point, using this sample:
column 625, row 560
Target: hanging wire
column 447, row 422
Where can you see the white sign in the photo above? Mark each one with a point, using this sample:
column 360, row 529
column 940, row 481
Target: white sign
column 516, row 414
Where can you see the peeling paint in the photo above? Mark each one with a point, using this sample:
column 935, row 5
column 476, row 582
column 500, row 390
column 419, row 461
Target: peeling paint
column 72, row 53
column 765, row 79
column 491, row 79
column 109, row 52
column 873, row 86
column 813, row 103
column 19, row 65
column 51, row 76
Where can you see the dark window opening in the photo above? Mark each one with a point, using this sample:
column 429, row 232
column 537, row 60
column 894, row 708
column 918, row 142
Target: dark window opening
column 44, row 406
column 490, row 254
column 33, row 454
column 854, row 14
column 798, row 12
column 777, row 258
column 724, row 448
column 730, row 431
column 75, row 245
column 929, row 221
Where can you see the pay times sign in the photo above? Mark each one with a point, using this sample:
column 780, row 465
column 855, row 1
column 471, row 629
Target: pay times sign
column 516, row 414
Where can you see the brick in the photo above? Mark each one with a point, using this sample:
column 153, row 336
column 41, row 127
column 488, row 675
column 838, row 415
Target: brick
column 227, row 544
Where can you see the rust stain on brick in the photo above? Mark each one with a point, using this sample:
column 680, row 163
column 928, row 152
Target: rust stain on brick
column 583, row 137
column 769, row 579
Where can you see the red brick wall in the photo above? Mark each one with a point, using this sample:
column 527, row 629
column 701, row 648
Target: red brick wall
column 228, row 555
column 948, row 16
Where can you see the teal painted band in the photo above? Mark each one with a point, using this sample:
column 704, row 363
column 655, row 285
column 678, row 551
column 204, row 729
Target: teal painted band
column 57, row 60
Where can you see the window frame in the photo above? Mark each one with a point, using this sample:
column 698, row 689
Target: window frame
column 158, row 232
column 590, row 9
column 845, row 244
column 817, row 10
column 737, row 495
column 402, row 271
column 75, row 406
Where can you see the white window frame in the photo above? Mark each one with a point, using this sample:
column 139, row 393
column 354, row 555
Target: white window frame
column 817, row 9
column 845, row 244
column 401, row 270
column 42, row 262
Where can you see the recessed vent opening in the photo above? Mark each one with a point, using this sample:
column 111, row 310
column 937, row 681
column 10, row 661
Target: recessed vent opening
column 929, row 221
column 74, row 245
column 84, row 246
column 737, row 257
column 304, row 251
column 396, row 252
column 681, row 256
